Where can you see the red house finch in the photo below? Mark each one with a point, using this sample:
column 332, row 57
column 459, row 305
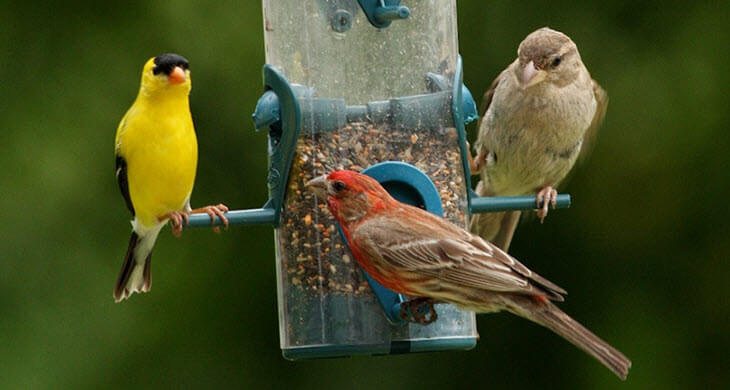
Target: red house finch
column 416, row 253
column 540, row 115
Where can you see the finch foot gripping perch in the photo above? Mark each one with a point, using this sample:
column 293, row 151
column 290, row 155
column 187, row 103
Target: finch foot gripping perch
column 418, row 310
column 180, row 218
column 213, row 211
column 177, row 220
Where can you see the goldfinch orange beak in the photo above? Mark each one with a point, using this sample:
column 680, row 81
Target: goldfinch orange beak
column 177, row 75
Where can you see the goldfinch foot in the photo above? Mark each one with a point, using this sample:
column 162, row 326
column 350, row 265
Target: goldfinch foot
column 547, row 196
column 419, row 311
column 177, row 220
column 213, row 211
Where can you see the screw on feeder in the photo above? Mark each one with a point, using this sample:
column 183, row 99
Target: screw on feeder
column 273, row 178
column 341, row 20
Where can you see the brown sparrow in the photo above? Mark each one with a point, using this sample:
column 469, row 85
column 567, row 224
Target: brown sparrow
column 540, row 116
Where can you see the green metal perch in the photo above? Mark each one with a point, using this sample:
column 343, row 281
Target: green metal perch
column 262, row 216
column 487, row 204
column 266, row 215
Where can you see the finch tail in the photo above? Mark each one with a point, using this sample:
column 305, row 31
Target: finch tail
column 135, row 273
column 547, row 314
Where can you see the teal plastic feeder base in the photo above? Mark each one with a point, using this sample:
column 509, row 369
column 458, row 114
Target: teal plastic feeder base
column 395, row 347
column 357, row 327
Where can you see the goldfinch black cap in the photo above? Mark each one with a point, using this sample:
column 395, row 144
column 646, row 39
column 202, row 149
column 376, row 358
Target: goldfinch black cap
column 165, row 63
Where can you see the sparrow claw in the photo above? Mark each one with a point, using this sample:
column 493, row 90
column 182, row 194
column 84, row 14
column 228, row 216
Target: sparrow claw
column 475, row 163
column 418, row 310
column 215, row 211
column 546, row 197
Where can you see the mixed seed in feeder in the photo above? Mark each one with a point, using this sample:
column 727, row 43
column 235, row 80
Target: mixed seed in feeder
column 315, row 256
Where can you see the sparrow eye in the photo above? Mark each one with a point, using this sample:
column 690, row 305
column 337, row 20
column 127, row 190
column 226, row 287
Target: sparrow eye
column 339, row 186
column 557, row 61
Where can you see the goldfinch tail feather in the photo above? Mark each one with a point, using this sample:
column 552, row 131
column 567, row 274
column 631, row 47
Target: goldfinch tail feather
column 135, row 274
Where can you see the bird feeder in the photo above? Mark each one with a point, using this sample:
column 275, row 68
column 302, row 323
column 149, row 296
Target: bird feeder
column 372, row 86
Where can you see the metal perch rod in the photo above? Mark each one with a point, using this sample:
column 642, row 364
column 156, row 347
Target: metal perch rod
column 506, row 203
column 262, row 216
column 265, row 216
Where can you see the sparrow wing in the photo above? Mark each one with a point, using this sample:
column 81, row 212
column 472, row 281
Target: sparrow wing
column 484, row 106
column 589, row 139
column 487, row 98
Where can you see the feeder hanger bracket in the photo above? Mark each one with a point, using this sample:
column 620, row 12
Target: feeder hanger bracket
column 381, row 13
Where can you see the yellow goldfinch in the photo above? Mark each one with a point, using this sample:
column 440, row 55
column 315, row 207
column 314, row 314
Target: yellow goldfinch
column 156, row 156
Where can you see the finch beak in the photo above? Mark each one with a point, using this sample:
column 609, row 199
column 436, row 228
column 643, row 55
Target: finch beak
column 318, row 186
column 177, row 76
column 531, row 75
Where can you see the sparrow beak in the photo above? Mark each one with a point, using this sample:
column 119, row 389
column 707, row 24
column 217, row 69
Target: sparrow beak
column 318, row 186
column 177, row 76
column 531, row 75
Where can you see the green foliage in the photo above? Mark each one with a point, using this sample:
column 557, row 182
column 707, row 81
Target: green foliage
column 643, row 251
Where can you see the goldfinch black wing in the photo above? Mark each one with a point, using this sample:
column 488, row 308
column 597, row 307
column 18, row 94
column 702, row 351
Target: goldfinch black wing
column 123, row 183
column 121, row 166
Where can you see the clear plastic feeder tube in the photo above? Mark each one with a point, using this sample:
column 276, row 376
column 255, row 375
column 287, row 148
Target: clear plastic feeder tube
column 367, row 101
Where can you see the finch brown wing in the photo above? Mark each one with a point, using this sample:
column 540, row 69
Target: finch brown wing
column 434, row 248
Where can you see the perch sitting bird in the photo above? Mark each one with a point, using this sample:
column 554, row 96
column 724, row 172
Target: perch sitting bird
column 539, row 116
column 156, row 158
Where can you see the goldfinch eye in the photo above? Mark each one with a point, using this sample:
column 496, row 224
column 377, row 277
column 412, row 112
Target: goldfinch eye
column 339, row 186
column 557, row 62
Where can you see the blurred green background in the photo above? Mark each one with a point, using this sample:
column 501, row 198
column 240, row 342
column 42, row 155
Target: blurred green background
column 643, row 251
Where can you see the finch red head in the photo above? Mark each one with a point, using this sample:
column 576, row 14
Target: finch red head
column 416, row 253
